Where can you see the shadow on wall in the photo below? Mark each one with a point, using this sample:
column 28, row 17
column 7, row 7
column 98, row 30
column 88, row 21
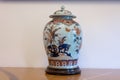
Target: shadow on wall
column 33, row 47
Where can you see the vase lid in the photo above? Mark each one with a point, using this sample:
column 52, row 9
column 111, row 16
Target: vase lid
column 62, row 12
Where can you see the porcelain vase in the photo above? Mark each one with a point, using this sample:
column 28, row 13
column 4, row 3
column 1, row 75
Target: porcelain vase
column 62, row 40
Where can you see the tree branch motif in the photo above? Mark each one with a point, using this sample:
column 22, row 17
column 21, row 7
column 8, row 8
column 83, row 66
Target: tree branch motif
column 62, row 40
column 51, row 33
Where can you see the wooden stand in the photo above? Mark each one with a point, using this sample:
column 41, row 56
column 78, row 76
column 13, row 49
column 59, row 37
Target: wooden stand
column 63, row 71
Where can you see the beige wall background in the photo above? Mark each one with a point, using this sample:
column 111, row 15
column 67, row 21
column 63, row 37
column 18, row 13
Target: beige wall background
column 22, row 24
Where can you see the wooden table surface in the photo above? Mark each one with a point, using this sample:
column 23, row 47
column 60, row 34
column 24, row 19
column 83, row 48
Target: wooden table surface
column 39, row 74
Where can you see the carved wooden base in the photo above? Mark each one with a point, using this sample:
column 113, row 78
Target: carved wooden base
column 63, row 71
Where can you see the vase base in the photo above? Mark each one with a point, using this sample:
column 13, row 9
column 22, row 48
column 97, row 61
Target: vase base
column 63, row 71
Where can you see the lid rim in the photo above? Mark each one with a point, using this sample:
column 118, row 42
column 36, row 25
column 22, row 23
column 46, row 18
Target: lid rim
column 51, row 16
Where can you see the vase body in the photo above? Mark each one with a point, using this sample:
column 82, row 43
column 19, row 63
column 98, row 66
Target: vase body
column 62, row 40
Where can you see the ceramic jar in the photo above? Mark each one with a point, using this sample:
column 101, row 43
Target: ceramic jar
column 62, row 39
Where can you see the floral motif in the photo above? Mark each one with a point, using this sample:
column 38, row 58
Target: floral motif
column 67, row 29
column 77, row 30
column 64, row 21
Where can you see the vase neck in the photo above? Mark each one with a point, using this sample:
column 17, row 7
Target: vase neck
column 63, row 17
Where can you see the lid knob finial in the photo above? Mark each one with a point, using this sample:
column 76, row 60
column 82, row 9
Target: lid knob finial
column 62, row 8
